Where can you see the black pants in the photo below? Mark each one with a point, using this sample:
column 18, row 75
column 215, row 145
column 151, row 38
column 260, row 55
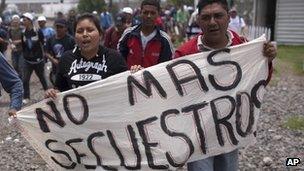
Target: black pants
column 28, row 70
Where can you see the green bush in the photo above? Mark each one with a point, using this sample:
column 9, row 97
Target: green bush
column 91, row 5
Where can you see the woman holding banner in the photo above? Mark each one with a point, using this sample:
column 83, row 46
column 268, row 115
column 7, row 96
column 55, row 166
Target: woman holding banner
column 88, row 61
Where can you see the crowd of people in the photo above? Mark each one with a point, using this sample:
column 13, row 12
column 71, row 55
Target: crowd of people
column 129, row 40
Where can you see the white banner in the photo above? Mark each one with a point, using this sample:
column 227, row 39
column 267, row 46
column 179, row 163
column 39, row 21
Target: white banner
column 159, row 118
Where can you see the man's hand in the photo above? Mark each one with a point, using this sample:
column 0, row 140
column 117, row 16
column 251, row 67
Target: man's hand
column 52, row 93
column 12, row 112
column 270, row 51
column 135, row 68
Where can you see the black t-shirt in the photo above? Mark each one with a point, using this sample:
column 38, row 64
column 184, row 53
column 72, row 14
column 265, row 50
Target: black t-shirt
column 32, row 43
column 56, row 47
column 74, row 70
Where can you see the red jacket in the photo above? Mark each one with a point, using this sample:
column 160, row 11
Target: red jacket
column 157, row 50
column 191, row 47
column 111, row 38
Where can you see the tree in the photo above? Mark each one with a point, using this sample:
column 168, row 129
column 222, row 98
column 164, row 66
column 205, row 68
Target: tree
column 180, row 3
column 91, row 5
column 2, row 6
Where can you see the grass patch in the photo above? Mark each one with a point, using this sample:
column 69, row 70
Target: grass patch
column 295, row 123
column 292, row 57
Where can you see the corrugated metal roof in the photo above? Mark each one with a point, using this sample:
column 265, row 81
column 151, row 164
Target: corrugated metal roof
column 290, row 22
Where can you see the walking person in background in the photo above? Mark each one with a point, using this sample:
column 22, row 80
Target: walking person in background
column 237, row 23
column 32, row 44
column 48, row 32
column 11, row 84
column 113, row 34
column 146, row 45
column 71, row 21
column 72, row 68
column 57, row 45
column 15, row 35
column 129, row 15
column 3, row 37
column 106, row 20
column 213, row 19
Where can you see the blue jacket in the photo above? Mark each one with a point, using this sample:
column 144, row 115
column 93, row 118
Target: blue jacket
column 106, row 20
column 11, row 83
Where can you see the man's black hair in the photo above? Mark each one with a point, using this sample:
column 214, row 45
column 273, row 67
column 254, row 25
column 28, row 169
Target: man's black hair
column 151, row 2
column 203, row 3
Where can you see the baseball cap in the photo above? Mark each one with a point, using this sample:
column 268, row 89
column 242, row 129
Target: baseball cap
column 60, row 22
column 127, row 10
column 28, row 16
column 16, row 17
column 41, row 18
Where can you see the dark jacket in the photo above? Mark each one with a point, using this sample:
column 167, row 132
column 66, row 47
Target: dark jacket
column 158, row 50
column 33, row 54
column 11, row 83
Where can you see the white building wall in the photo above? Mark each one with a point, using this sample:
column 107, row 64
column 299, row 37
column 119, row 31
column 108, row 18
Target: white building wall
column 290, row 22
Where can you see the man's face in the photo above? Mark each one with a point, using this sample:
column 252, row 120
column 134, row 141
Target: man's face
column 213, row 20
column 27, row 22
column 41, row 24
column 149, row 13
column 60, row 30
column 233, row 14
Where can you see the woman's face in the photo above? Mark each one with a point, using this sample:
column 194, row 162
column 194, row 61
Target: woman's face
column 87, row 36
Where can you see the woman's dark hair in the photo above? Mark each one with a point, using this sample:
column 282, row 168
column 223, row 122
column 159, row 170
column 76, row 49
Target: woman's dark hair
column 151, row 2
column 91, row 18
column 202, row 3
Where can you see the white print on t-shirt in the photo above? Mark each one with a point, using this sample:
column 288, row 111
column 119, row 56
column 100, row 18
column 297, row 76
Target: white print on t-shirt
column 86, row 77
column 86, row 65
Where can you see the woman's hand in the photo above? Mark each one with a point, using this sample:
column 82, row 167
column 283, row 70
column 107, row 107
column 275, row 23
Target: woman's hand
column 270, row 51
column 135, row 68
column 12, row 113
column 52, row 93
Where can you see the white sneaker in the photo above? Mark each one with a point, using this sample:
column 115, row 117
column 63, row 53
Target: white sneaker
column 25, row 101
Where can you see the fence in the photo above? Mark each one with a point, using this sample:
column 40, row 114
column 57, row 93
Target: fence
column 257, row 31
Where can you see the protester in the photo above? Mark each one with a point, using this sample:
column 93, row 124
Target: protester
column 32, row 44
column 58, row 44
column 48, row 32
column 193, row 28
column 106, row 20
column 15, row 35
column 182, row 17
column 129, row 15
column 113, row 34
column 237, row 23
column 3, row 37
column 60, row 15
column 213, row 18
column 71, row 21
column 72, row 68
column 145, row 44
column 11, row 84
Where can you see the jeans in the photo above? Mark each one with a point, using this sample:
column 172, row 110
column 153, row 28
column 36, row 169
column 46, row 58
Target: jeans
column 18, row 62
column 222, row 162
column 28, row 70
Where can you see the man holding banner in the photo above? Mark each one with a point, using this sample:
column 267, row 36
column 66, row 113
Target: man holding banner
column 213, row 18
